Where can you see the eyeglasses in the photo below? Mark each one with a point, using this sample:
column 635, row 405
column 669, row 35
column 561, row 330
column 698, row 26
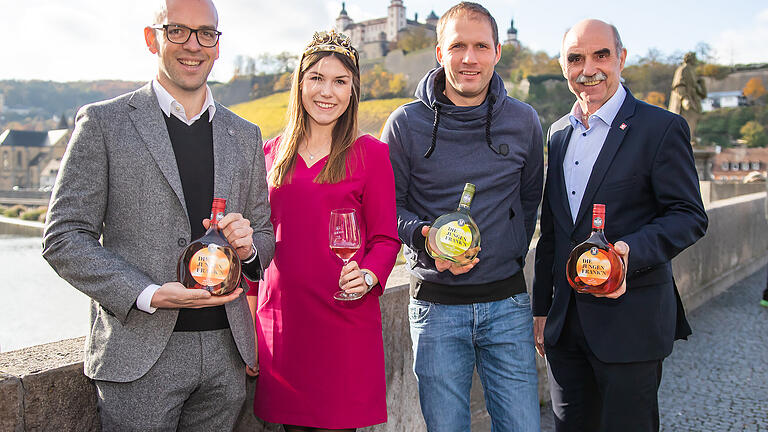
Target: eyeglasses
column 180, row 34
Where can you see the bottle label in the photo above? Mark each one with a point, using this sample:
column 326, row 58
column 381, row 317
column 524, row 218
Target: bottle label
column 454, row 238
column 209, row 266
column 593, row 267
column 466, row 199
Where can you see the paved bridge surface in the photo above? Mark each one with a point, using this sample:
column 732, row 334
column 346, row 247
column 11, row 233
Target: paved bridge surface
column 717, row 380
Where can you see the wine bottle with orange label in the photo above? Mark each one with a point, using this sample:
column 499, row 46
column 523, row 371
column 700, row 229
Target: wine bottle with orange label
column 210, row 262
column 594, row 266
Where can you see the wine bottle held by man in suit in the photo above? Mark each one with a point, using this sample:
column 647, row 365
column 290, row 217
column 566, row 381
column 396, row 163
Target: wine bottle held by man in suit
column 604, row 351
column 140, row 173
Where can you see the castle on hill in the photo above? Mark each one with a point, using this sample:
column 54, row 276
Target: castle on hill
column 373, row 37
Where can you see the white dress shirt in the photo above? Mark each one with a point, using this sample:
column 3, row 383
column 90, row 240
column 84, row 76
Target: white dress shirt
column 585, row 145
column 170, row 106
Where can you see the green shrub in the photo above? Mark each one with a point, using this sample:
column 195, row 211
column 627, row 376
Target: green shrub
column 14, row 211
column 33, row 214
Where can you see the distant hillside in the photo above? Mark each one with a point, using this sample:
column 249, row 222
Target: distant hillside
column 269, row 113
column 32, row 104
column 55, row 98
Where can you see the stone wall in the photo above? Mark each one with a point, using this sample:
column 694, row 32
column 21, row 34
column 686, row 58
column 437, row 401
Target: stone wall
column 734, row 247
column 15, row 226
column 721, row 191
column 43, row 388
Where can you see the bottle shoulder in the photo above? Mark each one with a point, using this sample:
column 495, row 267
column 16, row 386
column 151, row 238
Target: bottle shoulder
column 453, row 216
column 597, row 238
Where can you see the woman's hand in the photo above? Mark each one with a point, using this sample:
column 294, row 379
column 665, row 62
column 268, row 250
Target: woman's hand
column 351, row 279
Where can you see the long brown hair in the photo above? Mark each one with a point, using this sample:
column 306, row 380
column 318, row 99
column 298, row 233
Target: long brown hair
column 344, row 131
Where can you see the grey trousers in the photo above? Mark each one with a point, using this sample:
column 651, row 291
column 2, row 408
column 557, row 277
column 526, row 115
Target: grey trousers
column 197, row 384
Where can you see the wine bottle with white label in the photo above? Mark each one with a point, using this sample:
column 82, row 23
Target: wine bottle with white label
column 455, row 236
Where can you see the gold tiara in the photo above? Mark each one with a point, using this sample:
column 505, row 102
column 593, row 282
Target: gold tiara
column 330, row 41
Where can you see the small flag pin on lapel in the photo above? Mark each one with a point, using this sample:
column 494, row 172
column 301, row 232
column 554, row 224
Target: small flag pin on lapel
column 623, row 126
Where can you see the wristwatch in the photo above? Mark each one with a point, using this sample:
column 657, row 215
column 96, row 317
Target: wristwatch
column 368, row 280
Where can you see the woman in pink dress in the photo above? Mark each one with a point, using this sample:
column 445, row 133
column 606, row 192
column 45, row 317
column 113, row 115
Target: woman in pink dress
column 321, row 360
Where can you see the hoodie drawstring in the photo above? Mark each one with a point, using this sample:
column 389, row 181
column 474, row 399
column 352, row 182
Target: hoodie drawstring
column 503, row 149
column 491, row 101
column 431, row 148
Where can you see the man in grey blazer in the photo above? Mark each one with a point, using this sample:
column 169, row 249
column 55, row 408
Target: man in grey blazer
column 135, row 187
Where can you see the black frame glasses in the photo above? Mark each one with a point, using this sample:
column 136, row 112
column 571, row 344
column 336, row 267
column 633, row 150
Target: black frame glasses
column 189, row 31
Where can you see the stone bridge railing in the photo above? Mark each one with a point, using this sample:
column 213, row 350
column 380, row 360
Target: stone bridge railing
column 43, row 387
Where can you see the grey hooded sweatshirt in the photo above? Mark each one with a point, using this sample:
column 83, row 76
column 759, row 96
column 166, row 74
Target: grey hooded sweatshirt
column 435, row 148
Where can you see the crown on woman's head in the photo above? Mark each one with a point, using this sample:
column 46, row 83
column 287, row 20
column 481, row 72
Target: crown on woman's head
column 330, row 41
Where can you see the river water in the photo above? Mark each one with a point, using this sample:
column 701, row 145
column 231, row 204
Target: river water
column 38, row 306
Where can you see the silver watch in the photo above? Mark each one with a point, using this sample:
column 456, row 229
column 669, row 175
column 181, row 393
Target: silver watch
column 368, row 278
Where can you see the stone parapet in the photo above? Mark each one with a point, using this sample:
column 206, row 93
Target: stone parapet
column 15, row 226
column 43, row 387
column 735, row 246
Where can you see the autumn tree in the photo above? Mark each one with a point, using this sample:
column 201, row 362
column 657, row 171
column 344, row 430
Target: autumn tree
column 656, row 98
column 712, row 70
column 414, row 39
column 753, row 133
column 283, row 82
column 652, row 72
column 517, row 63
column 754, row 89
column 378, row 83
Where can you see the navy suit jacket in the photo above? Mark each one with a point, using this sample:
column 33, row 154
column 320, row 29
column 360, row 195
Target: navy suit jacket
column 646, row 177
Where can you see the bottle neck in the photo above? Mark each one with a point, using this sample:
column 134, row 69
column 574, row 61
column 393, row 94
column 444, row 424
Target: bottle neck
column 216, row 214
column 466, row 201
column 598, row 221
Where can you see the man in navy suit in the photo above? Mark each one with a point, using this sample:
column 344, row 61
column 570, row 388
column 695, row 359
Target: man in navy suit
column 604, row 353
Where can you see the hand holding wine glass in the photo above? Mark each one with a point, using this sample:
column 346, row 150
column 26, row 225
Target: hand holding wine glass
column 344, row 240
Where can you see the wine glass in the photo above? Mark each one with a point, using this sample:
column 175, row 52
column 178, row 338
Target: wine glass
column 344, row 240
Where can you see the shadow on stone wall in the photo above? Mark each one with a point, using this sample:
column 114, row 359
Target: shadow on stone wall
column 43, row 387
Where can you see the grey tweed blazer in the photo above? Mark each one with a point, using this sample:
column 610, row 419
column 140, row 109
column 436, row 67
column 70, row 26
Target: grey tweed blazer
column 119, row 182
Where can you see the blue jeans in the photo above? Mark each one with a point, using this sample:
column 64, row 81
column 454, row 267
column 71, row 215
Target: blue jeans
column 497, row 337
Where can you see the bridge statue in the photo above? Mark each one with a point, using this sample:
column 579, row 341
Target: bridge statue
column 687, row 92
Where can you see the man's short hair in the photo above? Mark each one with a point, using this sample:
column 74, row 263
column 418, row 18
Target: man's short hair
column 617, row 40
column 467, row 8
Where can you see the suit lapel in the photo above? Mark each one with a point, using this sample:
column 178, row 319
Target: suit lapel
column 562, row 148
column 613, row 141
column 224, row 153
column 148, row 120
column 561, row 211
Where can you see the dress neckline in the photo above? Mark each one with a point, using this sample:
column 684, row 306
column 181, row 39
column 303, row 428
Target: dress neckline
column 314, row 162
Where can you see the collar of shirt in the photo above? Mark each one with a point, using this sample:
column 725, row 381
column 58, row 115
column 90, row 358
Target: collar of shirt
column 605, row 113
column 170, row 106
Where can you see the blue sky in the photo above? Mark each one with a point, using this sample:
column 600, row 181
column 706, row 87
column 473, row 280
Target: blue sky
column 103, row 39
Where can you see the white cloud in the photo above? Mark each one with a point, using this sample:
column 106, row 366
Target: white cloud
column 97, row 39
column 744, row 44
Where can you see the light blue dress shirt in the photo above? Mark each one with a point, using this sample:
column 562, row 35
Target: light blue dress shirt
column 585, row 146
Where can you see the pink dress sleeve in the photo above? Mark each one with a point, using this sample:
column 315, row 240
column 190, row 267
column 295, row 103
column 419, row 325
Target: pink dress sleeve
column 253, row 286
column 379, row 214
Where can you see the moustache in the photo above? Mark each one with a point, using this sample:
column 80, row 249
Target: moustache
column 599, row 76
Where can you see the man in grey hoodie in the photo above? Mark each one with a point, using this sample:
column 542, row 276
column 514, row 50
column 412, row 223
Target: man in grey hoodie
column 464, row 128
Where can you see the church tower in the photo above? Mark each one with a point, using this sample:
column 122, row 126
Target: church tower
column 343, row 20
column 432, row 19
column 512, row 35
column 395, row 19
